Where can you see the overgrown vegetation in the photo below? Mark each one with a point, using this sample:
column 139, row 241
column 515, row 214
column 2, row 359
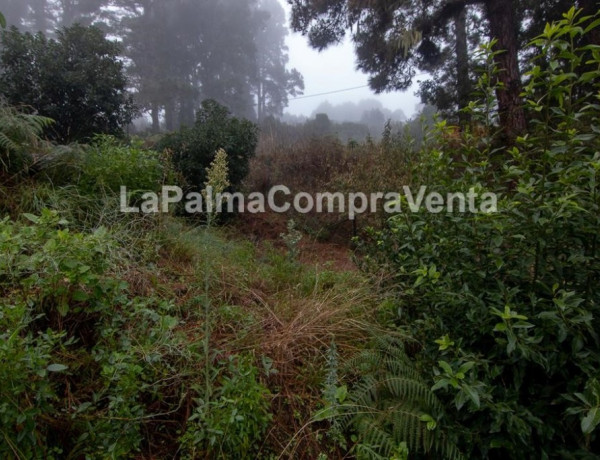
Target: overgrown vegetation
column 103, row 340
column 467, row 335
column 19, row 136
column 502, row 306
column 194, row 148
column 108, row 347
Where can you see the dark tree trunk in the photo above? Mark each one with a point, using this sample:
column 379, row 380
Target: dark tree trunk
column 186, row 111
column 170, row 116
column 462, row 65
column 503, row 27
column 155, row 118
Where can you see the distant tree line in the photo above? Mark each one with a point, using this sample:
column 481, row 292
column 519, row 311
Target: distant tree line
column 289, row 130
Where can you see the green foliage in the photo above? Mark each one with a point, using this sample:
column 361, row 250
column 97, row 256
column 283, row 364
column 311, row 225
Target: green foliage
column 52, row 282
column 232, row 424
column 391, row 410
column 195, row 148
column 85, row 368
column 82, row 173
column 77, row 80
column 96, row 367
column 108, row 164
column 510, row 296
column 292, row 239
column 56, row 270
column 19, row 136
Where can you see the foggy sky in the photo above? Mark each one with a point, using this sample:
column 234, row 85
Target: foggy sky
column 335, row 69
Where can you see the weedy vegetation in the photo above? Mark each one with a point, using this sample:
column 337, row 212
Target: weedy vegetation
column 458, row 335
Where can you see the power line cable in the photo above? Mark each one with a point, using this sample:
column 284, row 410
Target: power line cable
column 329, row 92
column 339, row 90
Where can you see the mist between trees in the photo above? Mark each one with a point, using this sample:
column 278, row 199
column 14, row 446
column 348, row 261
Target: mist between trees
column 178, row 53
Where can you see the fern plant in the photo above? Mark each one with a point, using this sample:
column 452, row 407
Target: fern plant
column 20, row 133
column 391, row 408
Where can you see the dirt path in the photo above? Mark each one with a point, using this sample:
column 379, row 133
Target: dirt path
column 269, row 227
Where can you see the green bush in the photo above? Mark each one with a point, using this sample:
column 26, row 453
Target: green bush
column 76, row 79
column 85, row 369
column 53, row 289
column 232, row 423
column 504, row 305
column 106, row 164
column 195, row 148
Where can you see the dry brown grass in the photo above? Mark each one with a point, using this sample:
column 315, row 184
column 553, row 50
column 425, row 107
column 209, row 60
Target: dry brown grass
column 296, row 334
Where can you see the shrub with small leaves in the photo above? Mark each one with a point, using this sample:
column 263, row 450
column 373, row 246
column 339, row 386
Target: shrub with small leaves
column 233, row 422
column 292, row 239
column 503, row 306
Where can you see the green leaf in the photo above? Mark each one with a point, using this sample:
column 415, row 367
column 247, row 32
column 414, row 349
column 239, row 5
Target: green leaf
column 441, row 383
column 63, row 309
column 522, row 325
column 591, row 25
column 512, row 344
column 466, row 367
column 446, row 367
column 31, row 217
column 590, row 421
column 341, row 393
column 500, row 327
column 325, row 414
column 80, row 296
column 169, row 322
column 431, row 423
column 444, row 342
column 2, row 21
column 57, row 368
column 473, row 395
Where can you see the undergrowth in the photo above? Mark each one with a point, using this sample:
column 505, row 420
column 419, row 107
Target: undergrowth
column 103, row 334
column 500, row 308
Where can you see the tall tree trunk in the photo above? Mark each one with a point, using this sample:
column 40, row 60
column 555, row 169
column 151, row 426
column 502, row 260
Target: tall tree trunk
column 170, row 115
column 186, row 110
column 40, row 15
column 155, row 117
column 462, row 64
column 503, row 27
column 260, row 102
column 260, row 96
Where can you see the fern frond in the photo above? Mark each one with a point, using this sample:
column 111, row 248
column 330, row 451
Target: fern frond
column 6, row 143
column 386, row 405
column 19, row 133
